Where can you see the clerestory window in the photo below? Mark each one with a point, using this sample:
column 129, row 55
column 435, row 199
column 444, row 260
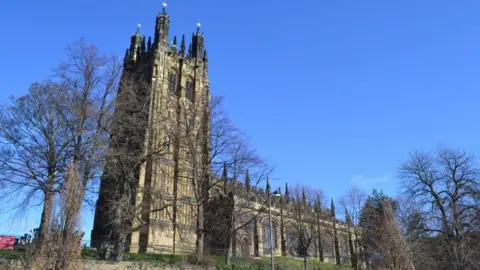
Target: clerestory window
column 189, row 92
column 166, row 144
column 172, row 82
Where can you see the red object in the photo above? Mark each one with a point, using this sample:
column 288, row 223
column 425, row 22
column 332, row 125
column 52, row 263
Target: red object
column 7, row 242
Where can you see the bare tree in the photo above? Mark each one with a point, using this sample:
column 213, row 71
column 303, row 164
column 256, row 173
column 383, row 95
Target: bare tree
column 210, row 145
column 34, row 149
column 244, row 211
column 90, row 81
column 303, row 218
column 351, row 246
column 352, row 203
column 59, row 123
column 444, row 185
column 426, row 250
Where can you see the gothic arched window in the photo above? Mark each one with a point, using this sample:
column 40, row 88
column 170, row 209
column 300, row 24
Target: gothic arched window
column 245, row 246
column 267, row 235
column 189, row 91
column 343, row 243
column 291, row 239
column 166, row 144
column 172, row 82
column 327, row 239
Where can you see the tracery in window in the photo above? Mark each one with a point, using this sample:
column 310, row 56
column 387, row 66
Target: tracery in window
column 172, row 82
column 189, row 92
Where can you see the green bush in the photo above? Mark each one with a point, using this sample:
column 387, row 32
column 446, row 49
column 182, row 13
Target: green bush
column 89, row 253
column 241, row 267
column 11, row 253
column 156, row 258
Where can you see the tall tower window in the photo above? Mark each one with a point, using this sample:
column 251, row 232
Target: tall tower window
column 189, row 92
column 166, row 144
column 172, row 82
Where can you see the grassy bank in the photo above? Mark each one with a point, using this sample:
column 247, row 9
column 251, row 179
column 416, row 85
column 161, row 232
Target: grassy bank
column 282, row 263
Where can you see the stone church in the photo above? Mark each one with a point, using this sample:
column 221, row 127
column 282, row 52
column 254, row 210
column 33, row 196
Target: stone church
column 171, row 86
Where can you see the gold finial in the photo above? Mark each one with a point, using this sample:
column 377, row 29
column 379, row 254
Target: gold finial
column 139, row 26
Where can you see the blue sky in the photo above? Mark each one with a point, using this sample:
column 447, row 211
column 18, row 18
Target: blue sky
column 332, row 93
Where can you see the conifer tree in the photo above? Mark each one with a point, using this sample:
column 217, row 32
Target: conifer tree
column 335, row 234
column 225, row 178
column 247, row 181
column 283, row 245
column 287, row 194
column 382, row 235
column 318, row 210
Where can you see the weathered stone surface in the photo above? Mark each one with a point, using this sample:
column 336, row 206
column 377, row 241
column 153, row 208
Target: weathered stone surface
column 108, row 265
column 105, row 265
column 173, row 84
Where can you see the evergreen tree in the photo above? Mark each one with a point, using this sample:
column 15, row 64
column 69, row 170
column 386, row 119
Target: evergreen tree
column 225, row 178
column 287, row 194
column 381, row 234
column 335, row 233
column 318, row 211
column 247, row 181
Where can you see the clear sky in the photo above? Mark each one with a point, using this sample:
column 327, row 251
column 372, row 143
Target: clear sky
column 332, row 93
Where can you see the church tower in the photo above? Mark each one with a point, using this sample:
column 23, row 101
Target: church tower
column 162, row 125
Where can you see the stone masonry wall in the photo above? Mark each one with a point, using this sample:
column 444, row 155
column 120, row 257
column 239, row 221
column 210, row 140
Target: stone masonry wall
column 108, row 265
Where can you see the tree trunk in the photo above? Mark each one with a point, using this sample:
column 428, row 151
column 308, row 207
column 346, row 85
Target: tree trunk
column 200, row 233
column 255, row 238
column 229, row 249
column 335, row 243
column 305, row 261
column 319, row 239
column 232, row 233
column 45, row 219
column 176, row 157
column 176, row 174
column 282, row 231
column 353, row 255
column 337, row 250
column 119, row 249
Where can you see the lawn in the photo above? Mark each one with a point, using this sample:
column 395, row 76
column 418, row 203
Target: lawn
column 282, row 263
column 286, row 263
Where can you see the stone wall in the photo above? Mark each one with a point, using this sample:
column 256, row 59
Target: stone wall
column 108, row 265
